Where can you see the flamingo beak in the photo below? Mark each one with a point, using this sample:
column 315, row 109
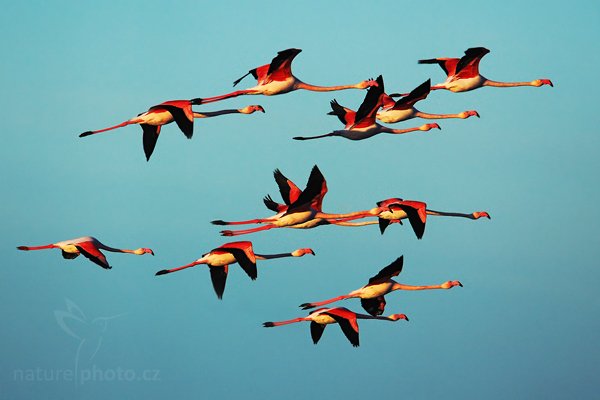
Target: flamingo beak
column 312, row 252
column 259, row 108
column 476, row 114
column 460, row 284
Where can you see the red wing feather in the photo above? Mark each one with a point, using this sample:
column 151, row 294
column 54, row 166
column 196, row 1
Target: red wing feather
column 92, row 253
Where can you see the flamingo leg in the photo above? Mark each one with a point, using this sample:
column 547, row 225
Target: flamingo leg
column 250, row 221
column 122, row 124
column 168, row 271
column 306, row 306
column 207, row 100
column 246, row 231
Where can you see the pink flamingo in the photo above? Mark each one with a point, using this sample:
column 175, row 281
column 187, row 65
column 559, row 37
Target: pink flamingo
column 88, row 246
column 361, row 124
column 395, row 111
column 463, row 73
column 372, row 294
column 346, row 319
column 219, row 259
column 179, row 111
column 277, row 78
column 302, row 213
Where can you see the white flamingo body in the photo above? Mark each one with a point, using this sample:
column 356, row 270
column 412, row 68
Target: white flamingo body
column 390, row 116
column 463, row 85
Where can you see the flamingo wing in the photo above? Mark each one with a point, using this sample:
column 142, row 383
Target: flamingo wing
column 218, row 276
column 183, row 121
column 288, row 189
column 365, row 115
column 346, row 319
column 246, row 261
column 447, row 64
column 149, row 138
column 345, row 115
column 468, row 66
column 281, row 66
column 375, row 306
column 314, row 187
column 273, row 205
column 92, row 253
column 69, row 256
column 316, row 331
column 388, row 272
column 417, row 94
column 415, row 211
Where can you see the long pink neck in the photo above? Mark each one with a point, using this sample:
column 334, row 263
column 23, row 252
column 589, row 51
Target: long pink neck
column 487, row 82
column 314, row 88
column 436, row 116
column 400, row 286
column 398, row 131
column 27, row 248
column 225, row 96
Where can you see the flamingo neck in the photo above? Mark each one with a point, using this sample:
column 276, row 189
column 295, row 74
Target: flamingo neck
column 398, row 131
column 365, row 316
column 488, row 82
column 209, row 114
column 401, row 286
column 301, row 85
column 449, row 214
column 436, row 116
column 272, row 256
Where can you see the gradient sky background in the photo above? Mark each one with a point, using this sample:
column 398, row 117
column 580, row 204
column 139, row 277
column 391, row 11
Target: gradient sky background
column 526, row 323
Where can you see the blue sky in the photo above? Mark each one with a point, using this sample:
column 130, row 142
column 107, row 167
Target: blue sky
column 524, row 325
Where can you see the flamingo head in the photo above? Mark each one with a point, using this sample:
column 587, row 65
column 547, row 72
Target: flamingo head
column 481, row 214
column 451, row 284
column 143, row 250
column 542, row 82
column 367, row 84
column 301, row 252
column 427, row 127
column 469, row 113
column 252, row 109
column 396, row 317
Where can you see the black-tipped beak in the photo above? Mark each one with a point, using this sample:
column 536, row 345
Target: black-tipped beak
column 406, row 318
column 313, row 253
column 460, row 284
column 477, row 114
column 151, row 252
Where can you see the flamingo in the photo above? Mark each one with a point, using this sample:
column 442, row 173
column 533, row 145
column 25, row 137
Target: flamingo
column 179, row 111
column 395, row 209
column 361, row 124
column 302, row 213
column 219, row 259
column 88, row 246
column 277, row 78
column 463, row 74
column 403, row 109
column 372, row 294
column 347, row 320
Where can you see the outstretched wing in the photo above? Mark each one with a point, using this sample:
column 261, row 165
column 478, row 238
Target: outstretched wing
column 314, row 187
column 247, row 263
column 468, row 66
column 347, row 321
column 447, row 64
column 316, row 331
column 365, row 115
column 149, row 138
column 288, row 189
column 281, row 66
column 93, row 254
column 417, row 94
column 388, row 272
column 183, row 121
column 345, row 115
column 375, row 306
column 218, row 276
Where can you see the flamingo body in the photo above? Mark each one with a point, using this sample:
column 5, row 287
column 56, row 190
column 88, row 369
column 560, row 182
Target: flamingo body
column 88, row 246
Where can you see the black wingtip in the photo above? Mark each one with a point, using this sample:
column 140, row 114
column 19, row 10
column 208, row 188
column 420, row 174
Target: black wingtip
column 218, row 222
column 87, row 133
column 162, row 272
column 268, row 324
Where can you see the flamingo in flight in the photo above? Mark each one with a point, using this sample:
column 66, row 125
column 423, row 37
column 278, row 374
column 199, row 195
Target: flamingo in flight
column 88, row 246
column 219, row 259
column 395, row 111
column 463, row 73
column 302, row 209
column 395, row 209
column 346, row 319
column 361, row 124
column 179, row 111
column 277, row 78
column 372, row 294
